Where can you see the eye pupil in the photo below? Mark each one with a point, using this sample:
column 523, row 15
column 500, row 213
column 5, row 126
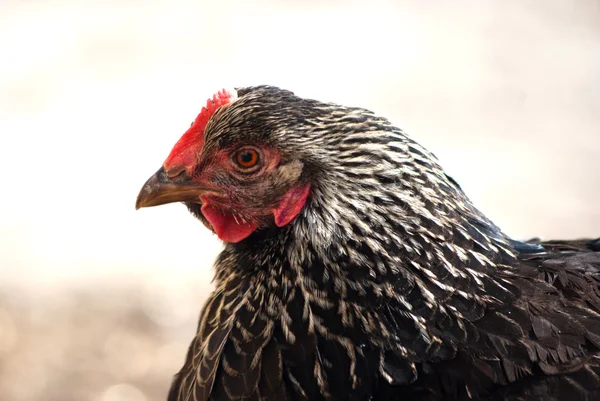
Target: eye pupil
column 247, row 156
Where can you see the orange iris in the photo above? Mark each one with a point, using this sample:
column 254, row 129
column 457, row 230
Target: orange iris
column 246, row 158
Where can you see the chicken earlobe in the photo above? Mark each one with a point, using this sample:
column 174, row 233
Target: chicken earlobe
column 292, row 204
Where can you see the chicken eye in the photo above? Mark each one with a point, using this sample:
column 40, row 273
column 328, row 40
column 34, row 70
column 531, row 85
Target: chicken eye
column 247, row 158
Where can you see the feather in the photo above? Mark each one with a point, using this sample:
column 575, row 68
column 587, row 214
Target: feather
column 381, row 282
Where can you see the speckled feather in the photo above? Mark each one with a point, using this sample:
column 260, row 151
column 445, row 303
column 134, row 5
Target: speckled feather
column 389, row 285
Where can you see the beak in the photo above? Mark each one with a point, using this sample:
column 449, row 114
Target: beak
column 160, row 189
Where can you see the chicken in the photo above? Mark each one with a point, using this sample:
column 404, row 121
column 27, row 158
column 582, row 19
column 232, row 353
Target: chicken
column 354, row 268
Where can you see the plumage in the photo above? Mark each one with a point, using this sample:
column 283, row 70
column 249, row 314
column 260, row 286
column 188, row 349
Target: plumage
column 354, row 268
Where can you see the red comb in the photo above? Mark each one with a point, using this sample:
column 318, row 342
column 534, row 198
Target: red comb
column 185, row 151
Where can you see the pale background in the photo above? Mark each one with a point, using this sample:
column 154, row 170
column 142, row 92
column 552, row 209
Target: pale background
column 98, row 301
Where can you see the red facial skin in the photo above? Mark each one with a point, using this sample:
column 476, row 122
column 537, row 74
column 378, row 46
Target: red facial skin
column 228, row 226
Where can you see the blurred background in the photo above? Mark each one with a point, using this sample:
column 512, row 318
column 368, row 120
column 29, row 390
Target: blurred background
column 98, row 301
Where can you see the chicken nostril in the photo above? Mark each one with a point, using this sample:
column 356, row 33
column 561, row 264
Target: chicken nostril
column 174, row 171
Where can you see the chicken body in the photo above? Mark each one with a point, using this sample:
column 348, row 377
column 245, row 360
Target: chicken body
column 354, row 268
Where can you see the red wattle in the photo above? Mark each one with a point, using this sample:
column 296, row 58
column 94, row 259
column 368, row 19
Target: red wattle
column 225, row 225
